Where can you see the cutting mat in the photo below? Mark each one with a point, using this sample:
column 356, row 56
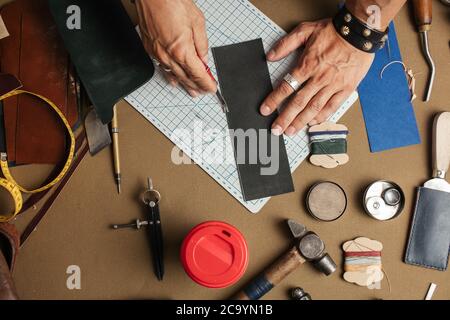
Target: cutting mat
column 198, row 126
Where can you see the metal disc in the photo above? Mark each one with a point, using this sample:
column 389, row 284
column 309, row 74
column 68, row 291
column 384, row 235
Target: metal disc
column 326, row 201
column 311, row 246
column 383, row 200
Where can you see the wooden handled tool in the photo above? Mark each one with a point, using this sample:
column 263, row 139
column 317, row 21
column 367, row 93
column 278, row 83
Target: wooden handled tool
column 441, row 145
column 423, row 17
column 308, row 247
column 441, row 153
column 279, row 270
column 423, row 14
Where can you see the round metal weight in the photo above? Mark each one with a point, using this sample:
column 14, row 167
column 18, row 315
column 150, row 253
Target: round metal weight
column 383, row 200
column 326, row 201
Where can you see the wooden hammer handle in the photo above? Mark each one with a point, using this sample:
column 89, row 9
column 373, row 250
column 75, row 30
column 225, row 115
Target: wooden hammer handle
column 423, row 14
column 279, row 270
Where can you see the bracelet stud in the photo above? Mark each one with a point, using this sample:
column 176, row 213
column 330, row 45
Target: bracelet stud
column 367, row 32
column 367, row 45
column 348, row 17
column 345, row 30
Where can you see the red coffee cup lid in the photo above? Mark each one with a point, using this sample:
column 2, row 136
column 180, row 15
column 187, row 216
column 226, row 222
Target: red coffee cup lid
column 214, row 254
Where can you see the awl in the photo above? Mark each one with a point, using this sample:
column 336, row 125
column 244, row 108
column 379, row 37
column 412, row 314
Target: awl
column 423, row 17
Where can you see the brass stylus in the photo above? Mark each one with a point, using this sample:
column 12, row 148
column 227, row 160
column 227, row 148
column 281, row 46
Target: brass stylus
column 116, row 152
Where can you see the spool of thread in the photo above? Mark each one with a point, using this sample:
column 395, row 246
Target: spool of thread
column 362, row 262
column 328, row 143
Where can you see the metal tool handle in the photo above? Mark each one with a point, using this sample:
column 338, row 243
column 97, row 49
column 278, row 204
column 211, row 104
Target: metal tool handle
column 279, row 270
column 423, row 14
column 441, row 145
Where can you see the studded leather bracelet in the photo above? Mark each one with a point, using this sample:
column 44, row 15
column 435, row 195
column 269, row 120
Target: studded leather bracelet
column 357, row 33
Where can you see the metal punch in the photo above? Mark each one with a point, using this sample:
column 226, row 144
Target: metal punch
column 151, row 198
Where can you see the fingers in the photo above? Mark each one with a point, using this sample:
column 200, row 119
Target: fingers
column 291, row 42
column 196, row 70
column 295, row 106
column 332, row 105
column 277, row 97
column 200, row 38
column 312, row 109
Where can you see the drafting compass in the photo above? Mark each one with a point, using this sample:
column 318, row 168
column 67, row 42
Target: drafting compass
column 151, row 199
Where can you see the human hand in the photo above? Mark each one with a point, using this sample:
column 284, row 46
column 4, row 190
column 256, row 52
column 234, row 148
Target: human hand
column 330, row 69
column 174, row 33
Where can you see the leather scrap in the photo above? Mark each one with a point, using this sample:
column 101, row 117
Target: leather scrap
column 35, row 54
column 245, row 83
column 9, row 247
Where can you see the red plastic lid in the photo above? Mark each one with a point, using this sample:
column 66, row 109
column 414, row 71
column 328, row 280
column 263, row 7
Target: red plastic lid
column 214, row 254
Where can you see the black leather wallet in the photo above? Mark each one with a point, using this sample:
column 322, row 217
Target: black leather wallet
column 429, row 240
column 245, row 82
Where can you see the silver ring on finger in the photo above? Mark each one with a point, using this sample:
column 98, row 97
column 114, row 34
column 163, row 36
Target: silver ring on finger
column 156, row 62
column 292, row 82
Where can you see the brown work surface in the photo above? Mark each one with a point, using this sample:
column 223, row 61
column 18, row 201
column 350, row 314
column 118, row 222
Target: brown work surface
column 117, row 264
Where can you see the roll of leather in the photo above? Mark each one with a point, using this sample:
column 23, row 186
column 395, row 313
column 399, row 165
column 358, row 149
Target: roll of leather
column 35, row 54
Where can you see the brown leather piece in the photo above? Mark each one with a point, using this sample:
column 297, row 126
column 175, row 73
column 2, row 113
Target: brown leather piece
column 9, row 247
column 35, row 54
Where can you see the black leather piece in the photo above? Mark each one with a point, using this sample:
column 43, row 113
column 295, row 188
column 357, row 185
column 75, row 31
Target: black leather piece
column 107, row 52
column 245, row 82
column 429, row 240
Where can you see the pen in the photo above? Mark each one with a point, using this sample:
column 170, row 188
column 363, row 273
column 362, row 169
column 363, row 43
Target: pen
column 116, row 153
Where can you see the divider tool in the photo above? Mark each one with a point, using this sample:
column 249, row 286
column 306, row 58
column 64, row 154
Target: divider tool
column 151, row 199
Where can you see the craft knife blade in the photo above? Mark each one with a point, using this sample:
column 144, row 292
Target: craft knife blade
column 441, row 153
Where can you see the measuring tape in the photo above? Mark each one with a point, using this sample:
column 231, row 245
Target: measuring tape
column 9, row 183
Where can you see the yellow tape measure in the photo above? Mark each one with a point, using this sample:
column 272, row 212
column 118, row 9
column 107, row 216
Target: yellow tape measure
column 9, row 183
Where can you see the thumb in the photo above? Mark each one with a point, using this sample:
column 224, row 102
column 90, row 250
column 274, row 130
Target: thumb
column 289, row 43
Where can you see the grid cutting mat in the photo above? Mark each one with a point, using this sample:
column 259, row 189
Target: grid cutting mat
column 198, row 126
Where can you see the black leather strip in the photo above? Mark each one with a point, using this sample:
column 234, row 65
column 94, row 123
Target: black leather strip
column 245, row 82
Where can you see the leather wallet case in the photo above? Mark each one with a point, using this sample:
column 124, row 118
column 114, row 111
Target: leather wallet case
column 35, row 55
column 245, row 83
column 107, row 51
column 429, row 240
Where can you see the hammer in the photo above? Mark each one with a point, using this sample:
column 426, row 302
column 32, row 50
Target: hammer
column 308, row 247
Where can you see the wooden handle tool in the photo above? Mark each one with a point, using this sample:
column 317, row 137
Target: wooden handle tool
column 309, row 247
column 279, row 270
column 441, row 145
column 423, row 14
column 423, row 17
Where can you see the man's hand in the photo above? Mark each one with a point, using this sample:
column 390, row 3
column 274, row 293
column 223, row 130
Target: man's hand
column 173, row 32
column 330, row 69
